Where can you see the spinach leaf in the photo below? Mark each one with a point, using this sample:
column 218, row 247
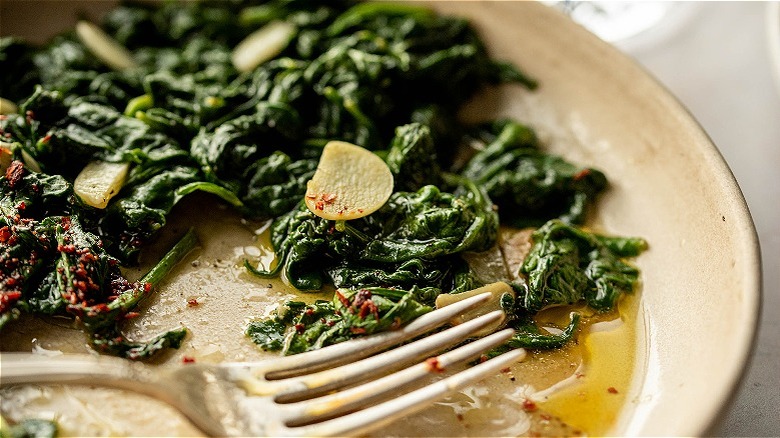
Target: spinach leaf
column 567, row 265
column 30, row 428
column 51, row 263
column 20, row 75
column 416, row 238
column 529, row 186
column 412, row 158
column 352, row 313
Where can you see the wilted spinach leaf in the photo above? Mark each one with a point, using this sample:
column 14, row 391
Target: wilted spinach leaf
column 567, row 265
column 529, row 186
column 351, row 313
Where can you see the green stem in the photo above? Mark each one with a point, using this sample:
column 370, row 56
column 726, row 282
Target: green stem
column 171, row 259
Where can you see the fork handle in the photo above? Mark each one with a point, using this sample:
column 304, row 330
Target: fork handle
column 25, row 368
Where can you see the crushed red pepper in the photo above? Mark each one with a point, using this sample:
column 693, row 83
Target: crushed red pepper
column 434, row 365
column 14, row 173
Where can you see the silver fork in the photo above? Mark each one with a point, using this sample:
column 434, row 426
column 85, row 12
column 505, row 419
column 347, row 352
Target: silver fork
column 335, row 391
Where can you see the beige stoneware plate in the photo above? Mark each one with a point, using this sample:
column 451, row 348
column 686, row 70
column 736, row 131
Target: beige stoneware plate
column 701, row 277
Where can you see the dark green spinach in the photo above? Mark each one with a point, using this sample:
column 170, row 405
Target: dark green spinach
column 529, row 186
column 352, row 312
column 389, row 77
column 567, row 265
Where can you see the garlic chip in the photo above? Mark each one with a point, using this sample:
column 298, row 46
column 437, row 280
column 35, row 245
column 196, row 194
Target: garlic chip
column 7, row 107
column 350, row 182
column 497, row 291
column 262, row 45
column 105, row 48
column 6, row 156
column 99, row 181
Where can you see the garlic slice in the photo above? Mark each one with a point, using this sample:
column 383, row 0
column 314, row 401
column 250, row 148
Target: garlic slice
column 7, row 107
column 262, row 45
column 497, row 290
column 99, row 181
column 350, row 182
column 105, row 48
column 6, row 157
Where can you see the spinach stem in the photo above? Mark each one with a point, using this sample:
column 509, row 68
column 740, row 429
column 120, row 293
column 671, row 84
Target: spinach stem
column 171, row 259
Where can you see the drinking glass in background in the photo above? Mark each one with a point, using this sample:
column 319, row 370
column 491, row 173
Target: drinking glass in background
column 632, row 26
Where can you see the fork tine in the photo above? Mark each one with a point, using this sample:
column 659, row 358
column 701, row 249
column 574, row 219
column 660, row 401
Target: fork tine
column 372, row 418
column 313, row 385
column 359, row 397
column 357, row 349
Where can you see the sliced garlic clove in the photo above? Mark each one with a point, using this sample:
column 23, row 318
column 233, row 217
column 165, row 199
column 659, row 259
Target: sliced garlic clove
column 262, row 45
column 99, row 181
column 6, row 157
column 350, row 182
column 105, row 48
column 497, row 290
column 7, row 107
column 30, row 162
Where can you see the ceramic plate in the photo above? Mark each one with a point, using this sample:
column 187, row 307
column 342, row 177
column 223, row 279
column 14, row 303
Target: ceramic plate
column 699, row 301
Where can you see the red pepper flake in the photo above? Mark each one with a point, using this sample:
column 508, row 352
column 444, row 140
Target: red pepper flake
column 131, row 315
column 300, row 328
column 192, row 302
column 434, row 365
column 311, row 196
column 187, row 359
column 361, row 297
column 96, row 309
column 342, row 299
column 328, row 198
column 581, row 174
column 67, row 249
column 545, row 417
column 505, row 370
column 5, row 234
column 612, row 390
column 46, row 139
column 483, row 358
column 309, row 312
column 7, row 299
column 21, row 206
column 369, row 307
column 459, row 417
column 319, row 205
column 147, row 287
column 357, row 330
column 580, row 375
column 14, row 173
column 529, row 405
